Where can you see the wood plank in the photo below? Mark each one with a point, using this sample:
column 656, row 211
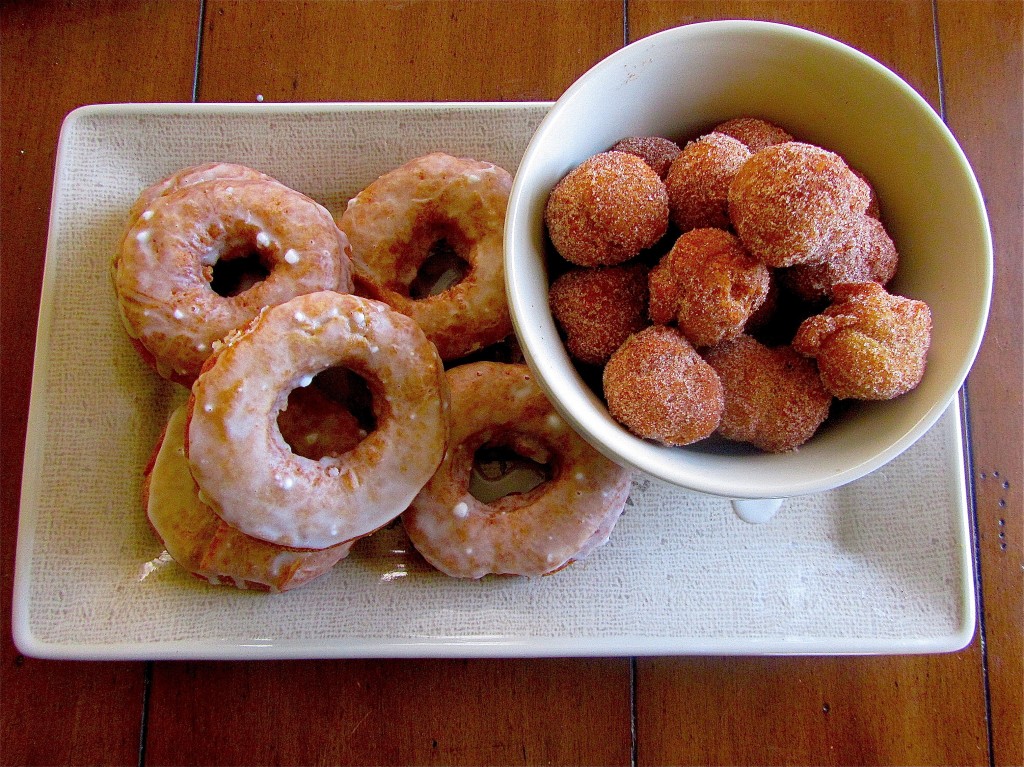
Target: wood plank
column 409, row 51
column 571, row 712
column 983, row 81
column 400, row 712
column 895, row 710
column 57, row 56
column 898, row 33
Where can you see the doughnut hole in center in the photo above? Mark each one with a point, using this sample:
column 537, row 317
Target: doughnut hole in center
column 329, row 416
column 240, row 262
column 514, row 464
column 440, row 265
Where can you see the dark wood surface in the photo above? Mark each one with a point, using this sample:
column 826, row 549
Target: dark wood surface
column 963, row 56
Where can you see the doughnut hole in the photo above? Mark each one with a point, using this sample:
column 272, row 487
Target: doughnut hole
column 329, row 416
column 440, row 270
column 238, row 261
column 511, row 466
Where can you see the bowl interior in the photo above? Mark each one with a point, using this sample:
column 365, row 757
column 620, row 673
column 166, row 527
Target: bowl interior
column 678, row 84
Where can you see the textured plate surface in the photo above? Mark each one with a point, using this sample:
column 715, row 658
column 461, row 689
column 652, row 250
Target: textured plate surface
column 880, row 566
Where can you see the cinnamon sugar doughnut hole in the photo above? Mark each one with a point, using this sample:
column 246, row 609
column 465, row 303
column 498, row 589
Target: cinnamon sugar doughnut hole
column 864, row 253
column 698, row 181
column 597, row 309
column 789, row 203
column 659, row 387
column 755, row 133
column 656, row 151
column 869, row 344
column 774, row 398
column 708, row 285
column 606, row 210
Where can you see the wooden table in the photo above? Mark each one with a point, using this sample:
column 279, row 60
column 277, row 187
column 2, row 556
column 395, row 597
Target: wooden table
column 964, row 57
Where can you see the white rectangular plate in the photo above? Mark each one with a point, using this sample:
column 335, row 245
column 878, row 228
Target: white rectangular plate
column 880, row 566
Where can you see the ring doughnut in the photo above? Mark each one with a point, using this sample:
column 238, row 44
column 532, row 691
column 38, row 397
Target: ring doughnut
column 395, row 221
column 533, row 533
column 164, row 266
column 251, row 477
column 194, row 174
column 206, row 546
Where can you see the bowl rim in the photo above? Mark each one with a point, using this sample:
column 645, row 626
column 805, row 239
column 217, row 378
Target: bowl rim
column 598, row 433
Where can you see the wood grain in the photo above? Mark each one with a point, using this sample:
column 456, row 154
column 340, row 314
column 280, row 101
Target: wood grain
column 401, row 712
column 403, row 51
column 886, row 710
column 64, row 713
column 983, row 79
column 904, row 710
column 571, row 712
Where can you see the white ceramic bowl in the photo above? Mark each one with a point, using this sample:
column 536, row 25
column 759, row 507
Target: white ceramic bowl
column 680, row 82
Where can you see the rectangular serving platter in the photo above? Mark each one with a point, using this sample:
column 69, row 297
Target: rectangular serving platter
column 882, row 565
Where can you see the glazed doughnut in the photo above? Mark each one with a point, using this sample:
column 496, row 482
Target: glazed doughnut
column 698, row 181
column 864, row 253
column 754, row 132
column 246, row 471
column 194, row 174
column 869, row 344
column 395, row 221
column 790, row 202
column 202, row 543
column 537, row 532
column 164, row 265
column 659, row 387
column 708, row 285
column 597, row 309
column 606, row 210
column 656, row 151
column 774, row 398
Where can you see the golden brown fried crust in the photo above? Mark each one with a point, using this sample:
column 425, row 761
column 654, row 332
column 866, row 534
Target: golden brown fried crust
column 869, row 344
column 598, row 309
column 865, row 253
column 709, row 285
column 606, row 210
column 656, row 151
column 754, row 132
column 698, row 181
column 774, row 398
column 660, row 388
column 790, row 203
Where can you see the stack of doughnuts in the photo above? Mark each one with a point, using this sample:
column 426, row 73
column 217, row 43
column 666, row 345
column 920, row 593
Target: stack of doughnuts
column 760, row 302
column 272, row 470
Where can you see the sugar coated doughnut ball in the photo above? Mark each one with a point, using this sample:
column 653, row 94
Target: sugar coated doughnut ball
column 698, row 181
column 709, row 285
column 656, row 151
column 774, row 398
column 869, row 344
column 789, row 203
column 874, row 208
column 754, row 132
column 865, row 253
column 660, row 388
column 598, row 309
column 606, row 210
